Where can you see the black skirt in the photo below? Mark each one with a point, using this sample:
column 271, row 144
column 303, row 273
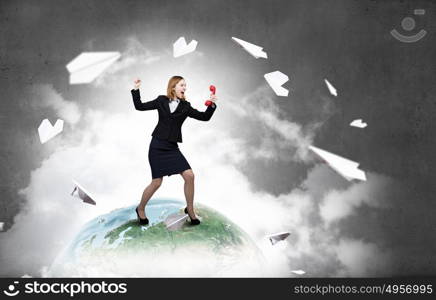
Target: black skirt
column 165, row 158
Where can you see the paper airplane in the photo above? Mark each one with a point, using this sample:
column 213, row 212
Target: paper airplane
column 175, row 221
column 345, row 167
column 47, row 131
column 358, row 123
column 298, row 272
column 254, row 50
column 1, row 226
column 181, row 48
column 81, row 193
column 89, row 65
column 331, row 88
column 276, row 80
column 277, row 237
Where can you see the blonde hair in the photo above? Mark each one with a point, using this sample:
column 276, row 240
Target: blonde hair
column 171, row 85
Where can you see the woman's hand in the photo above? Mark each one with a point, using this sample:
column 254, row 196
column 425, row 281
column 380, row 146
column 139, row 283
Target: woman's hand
column 137, row 83
column 213, row 98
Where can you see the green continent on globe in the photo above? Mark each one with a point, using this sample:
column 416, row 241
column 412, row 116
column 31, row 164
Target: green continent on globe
column 215, row 232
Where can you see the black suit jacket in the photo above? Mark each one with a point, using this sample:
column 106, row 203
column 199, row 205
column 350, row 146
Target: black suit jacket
column 169, row 126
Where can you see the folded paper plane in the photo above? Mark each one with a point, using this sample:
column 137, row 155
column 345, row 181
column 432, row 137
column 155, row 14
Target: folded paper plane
column 358, row 123
column 277, row 237
column 175, row 221
column 81, row 193
column 180, row 47
column 47, row 131
column 276, row 80
column 345, row 167
column 254, row 50
column 298, row 272
column 331, row 88
column 89, row 65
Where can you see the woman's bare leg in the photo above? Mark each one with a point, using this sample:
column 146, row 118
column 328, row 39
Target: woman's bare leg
column 146, row 195
column 188, row 176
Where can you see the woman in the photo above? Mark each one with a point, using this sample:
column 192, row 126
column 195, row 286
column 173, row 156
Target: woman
column 164, row 155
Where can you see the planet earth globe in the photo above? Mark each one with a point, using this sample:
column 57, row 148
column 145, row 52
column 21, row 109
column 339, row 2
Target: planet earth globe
column 116, row 245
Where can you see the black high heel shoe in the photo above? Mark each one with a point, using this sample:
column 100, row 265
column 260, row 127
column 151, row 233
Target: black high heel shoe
column 141, row 221
column 193, row 221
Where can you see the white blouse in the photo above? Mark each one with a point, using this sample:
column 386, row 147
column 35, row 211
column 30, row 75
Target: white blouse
column 173, row 104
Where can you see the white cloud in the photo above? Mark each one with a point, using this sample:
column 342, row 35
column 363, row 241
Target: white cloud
column 134, row 55
column 278, row 138
column 360, row 258
column 44, row 95
column 339, row 204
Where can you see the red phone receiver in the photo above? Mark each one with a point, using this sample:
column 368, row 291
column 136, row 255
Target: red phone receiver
column 212, row 89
